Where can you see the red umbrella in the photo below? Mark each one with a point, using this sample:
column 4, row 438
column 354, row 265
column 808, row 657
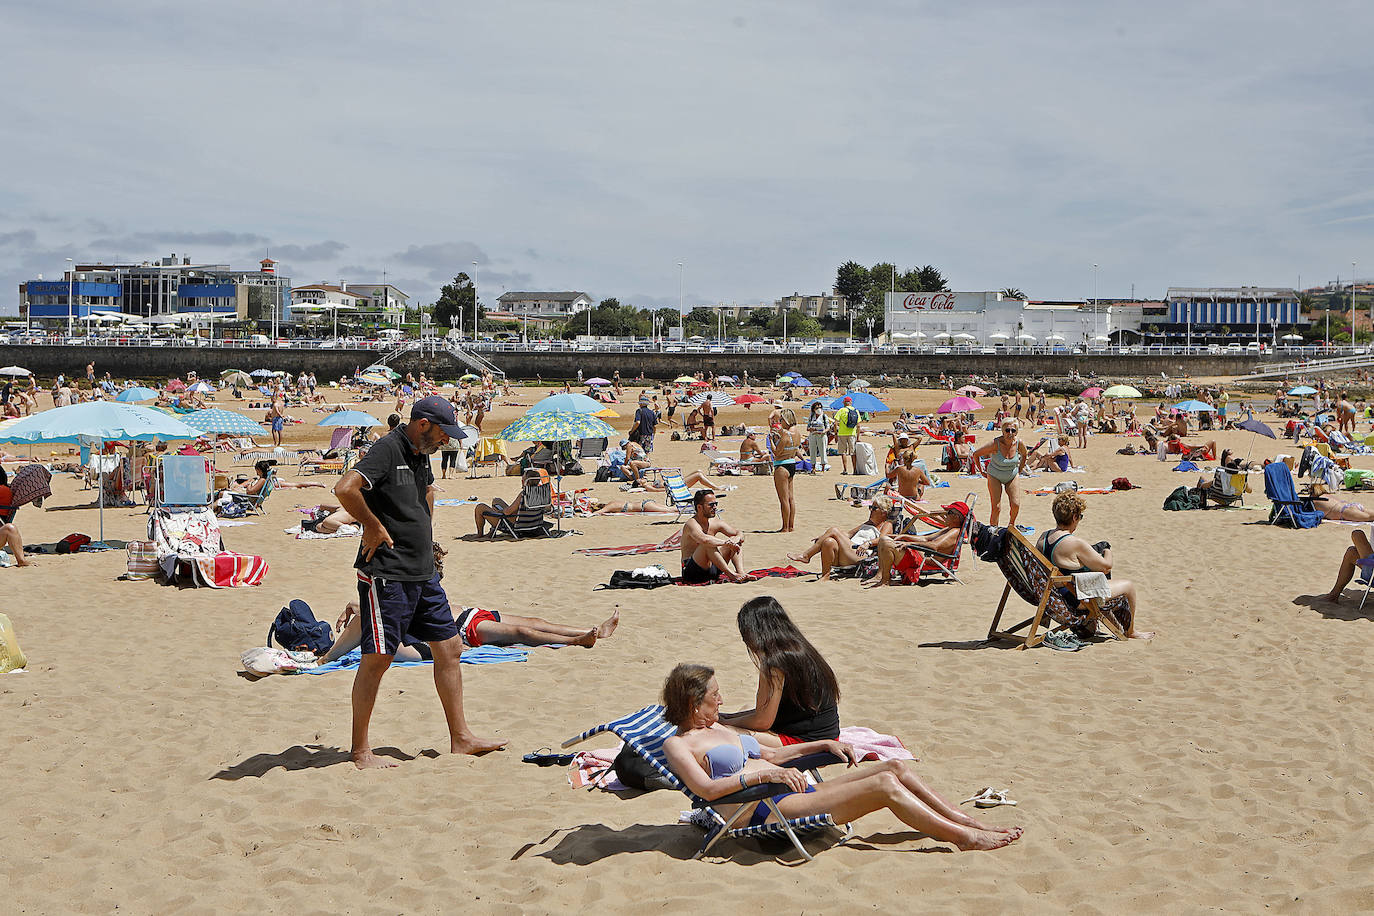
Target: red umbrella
column 1093, row 392
column 175, row 384
column 749, row 399
column 958, row 405
column 701, row 384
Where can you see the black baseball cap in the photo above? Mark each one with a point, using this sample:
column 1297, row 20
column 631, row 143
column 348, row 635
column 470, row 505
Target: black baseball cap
column 438, row 411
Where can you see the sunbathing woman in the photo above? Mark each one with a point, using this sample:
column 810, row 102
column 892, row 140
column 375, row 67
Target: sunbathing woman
column 1360, row 549
column 1072, row 554
column 712, row 760
column 633, row 506
column 1337, row 509
column 845, row 548
column 798, row 694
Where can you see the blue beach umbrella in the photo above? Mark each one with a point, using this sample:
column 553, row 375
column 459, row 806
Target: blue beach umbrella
column 801, row 382
column 225, row 422
column 567, row 403
column 350, row 418
column 138, row 393
column 1302, row 390
column 861, row 401
column 1195, row 407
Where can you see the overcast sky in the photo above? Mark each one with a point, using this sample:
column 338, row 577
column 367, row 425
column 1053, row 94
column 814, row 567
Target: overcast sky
column 593, row 146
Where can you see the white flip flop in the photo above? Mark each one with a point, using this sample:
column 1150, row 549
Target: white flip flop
column 994, row 800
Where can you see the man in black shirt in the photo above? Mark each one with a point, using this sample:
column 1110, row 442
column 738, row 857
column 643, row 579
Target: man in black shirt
column 390, row 491
column 646, row 421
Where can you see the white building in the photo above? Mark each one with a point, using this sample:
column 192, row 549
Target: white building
column 830, row 305
column 546, row 305
column 988, row 320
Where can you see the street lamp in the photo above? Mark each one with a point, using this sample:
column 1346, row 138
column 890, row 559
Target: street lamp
column 680, row 334
column 1095, row 326
column 870, row 332
column 71, row 276
column 474, row 301
column 1352, row 304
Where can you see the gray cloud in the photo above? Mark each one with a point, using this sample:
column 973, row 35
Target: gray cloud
column 22, row 238
column 320, row 251
column 209, row 238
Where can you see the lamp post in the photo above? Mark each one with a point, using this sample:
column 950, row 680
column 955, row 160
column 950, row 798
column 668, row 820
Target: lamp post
column 71, row 276
column 870, row 332
column 1095, row 326
column 474, row 301
column 679, row 300
column 851, row 325
column 1352, row 306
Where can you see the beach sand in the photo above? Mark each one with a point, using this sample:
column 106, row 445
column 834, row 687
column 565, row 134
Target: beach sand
column 1222, row 766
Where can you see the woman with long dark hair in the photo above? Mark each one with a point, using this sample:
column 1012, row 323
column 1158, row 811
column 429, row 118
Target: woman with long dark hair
column 798, row 696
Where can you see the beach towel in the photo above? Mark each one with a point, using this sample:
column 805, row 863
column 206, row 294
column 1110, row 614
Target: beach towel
column 228, row 570
column 672, row 542
column 483, row 655
column 1091, row 585
column 345, row 531
column 455, row 502
column 776, row 572
column 30, row 482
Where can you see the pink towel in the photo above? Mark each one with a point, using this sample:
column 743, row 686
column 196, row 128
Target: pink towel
column 672, row 542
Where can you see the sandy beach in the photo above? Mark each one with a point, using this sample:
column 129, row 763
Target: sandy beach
column 1222, row 766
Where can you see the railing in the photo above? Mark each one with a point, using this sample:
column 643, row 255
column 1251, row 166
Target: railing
column 472, row 360
column 1306, row 367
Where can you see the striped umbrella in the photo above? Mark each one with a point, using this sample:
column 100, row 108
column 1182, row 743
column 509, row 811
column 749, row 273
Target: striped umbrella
column 217, row 420
column 556, row 427
column 717, row 399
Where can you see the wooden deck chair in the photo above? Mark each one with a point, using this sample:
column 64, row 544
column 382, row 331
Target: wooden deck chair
column 536, row 499
column 1040, row 583
column 646, row 730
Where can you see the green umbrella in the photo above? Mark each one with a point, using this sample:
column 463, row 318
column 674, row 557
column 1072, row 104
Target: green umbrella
column 556, row 427
column 1121, row 391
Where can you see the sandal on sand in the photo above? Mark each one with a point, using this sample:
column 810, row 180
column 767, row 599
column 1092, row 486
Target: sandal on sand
column 994, row 800
column 984, row 792
column 544, row 758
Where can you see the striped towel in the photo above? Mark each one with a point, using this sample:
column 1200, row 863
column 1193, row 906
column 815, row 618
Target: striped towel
column 483, row 655
column 672, row 542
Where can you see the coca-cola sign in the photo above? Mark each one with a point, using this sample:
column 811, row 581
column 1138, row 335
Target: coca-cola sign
column 930, row 302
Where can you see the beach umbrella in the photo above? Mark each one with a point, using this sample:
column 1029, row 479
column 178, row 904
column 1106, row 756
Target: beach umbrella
column 236, row 377
column 800, row 382
column 725, row 378
column 791, row 374
column 1122, row 391
column 958, row 405
column 971, row 391
column 350, row 418
column 379, row 380
column 683, row 380
column 861, row 401
column 95, row 423
column 1291, row 337
column 999, row 336
column 1059, row 337
column 556, row 426
column 567, row 403
column 700, row 384
column 261, row 373
column 749, row 399
column 1093, row 392
column 469, row 377
column 1195, row 407
column 202, row 388
column 965, row 336
column 1302, row 390
column 943, row 335
column 15, row 371
column 857, row 384
column 1026, row 337
column 175, row 384
column 1255, row 426
column 717, row 399
column 137, row 393
column 225, row 422
column 598, row 381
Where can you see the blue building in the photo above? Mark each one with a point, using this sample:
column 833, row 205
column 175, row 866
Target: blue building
column 1240, row 308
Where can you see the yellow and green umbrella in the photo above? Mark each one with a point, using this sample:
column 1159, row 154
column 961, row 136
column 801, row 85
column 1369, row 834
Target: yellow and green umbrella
column 557, row 426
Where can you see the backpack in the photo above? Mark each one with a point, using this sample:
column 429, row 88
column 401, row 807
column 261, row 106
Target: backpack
column 603, row 473
column 72, row 543
column 636, row 772
column 296, row 629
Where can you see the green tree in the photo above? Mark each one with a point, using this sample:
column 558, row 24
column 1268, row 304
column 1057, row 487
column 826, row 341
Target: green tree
column 852, row 281
column 1012, row 292
column 798, row 325
column 455, row 299
column 931, row 281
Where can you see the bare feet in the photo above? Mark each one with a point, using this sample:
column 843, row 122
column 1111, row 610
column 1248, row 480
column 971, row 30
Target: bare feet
column 1142, row 634
column 798, row 558
column 586, row 640
column 475, row 746
column 987, row 839
column 608, row 627
column 1334, row 597
column 366, row 760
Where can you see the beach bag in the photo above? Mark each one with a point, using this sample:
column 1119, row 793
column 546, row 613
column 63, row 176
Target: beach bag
column 1066, row 486
column 296, row 629
column 625, row 578
column 231, row 509
column 142, row 561
column 636, row 772
column 11, row 656
column 1123, row 483
column 72, row 543
column 864, row 460
column 1181, row 499
column 603, row 474
column 804, row 466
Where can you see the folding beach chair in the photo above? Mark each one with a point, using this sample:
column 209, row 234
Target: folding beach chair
column 253, row 504
column 943, row 565
column 182, row 481
column 1228, row 488
column 591, row 448
column 487, row 452
column 646, row 730
column 678, row 495
column 1040, row 583
column 536, row 498
column 1287, row 508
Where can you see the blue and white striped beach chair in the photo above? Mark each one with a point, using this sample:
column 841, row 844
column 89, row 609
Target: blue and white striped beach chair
column 646, row 730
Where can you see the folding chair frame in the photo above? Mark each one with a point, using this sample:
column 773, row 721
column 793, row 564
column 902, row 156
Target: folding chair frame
column 1054, row 580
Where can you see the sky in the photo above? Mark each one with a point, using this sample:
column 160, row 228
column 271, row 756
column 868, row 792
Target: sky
column 596, row 146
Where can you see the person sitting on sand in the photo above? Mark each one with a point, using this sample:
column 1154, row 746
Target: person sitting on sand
column 1336, row 509
column 713, row 760
column 711, row 549
column 9, row 532
column 798, row 694
column 1360, row 549
column 895, row 553
column 911, row 480
column 845, row 548
column 1054, row 458
column 1071, row 554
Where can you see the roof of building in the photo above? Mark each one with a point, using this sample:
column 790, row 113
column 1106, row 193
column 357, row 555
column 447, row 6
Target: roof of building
column 329, row 289
column 562, row 296
column 1231, row 292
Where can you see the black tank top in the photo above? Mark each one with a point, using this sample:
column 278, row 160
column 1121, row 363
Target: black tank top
column 821, row 724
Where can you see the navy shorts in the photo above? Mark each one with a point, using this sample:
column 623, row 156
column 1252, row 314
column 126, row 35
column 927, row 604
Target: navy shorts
column 391, row 610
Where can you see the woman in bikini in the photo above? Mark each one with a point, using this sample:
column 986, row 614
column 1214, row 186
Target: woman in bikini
column 845, row 548
column 713, row 760
column 1071, row 554
column 1336, row 509
column 785, row 444
column 634, row 506
column 1004, row 460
